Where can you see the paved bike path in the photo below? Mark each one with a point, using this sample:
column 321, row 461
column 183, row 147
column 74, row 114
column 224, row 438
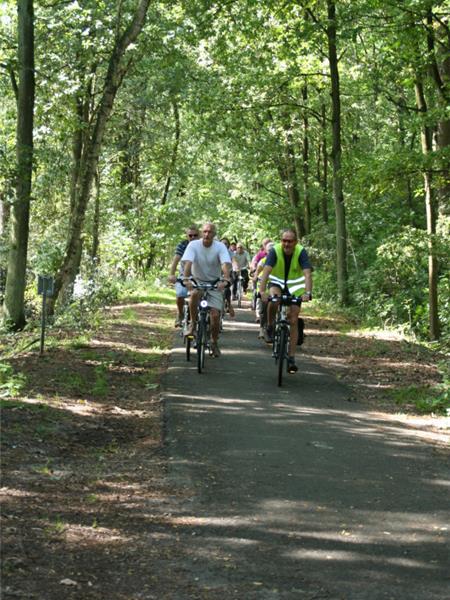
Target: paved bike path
column 295, row 492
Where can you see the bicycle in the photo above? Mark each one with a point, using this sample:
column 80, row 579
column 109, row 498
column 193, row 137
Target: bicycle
column 239, row 288
column 203, row 331
column 185, row 322
column 255, row 293
column 282, row 331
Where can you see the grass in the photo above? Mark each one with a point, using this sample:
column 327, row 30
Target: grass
column 129, row 315
column 11, row 383
column 100, row 387
column 147, row 292
column 57, row 528
column 426, row 400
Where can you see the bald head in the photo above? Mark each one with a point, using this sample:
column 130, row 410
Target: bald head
column 208, row 234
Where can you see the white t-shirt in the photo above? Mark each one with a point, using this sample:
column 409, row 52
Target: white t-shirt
column 206, row 261
column 240, row 261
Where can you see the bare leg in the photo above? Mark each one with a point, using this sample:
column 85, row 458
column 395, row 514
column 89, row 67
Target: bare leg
column 180, row 306
column 193, row 309
column 272, row 307
column 293, row 318
column 215, row 324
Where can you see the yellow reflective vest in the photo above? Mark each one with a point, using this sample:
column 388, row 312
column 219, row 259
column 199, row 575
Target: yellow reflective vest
column 295, row 281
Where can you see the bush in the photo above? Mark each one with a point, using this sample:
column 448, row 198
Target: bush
column 394, row 288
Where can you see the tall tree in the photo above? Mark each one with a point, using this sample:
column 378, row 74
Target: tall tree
column 336, row 153
column 13, row 310
column 117, row 68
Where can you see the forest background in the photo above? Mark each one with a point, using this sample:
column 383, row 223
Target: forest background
column 124, row 122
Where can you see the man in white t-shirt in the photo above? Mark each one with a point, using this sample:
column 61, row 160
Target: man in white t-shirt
column 241, row 263
column 206, row 260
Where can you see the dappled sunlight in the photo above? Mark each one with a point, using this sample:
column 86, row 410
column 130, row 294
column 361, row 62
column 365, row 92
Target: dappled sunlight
column 332, row 361
column 230, row 326
column 116, row 345
column 76, row 534
column 355, row 557
column 84, row 408
column 370, row 425
column 439, row 482
column 9, row 494
column 216, row 399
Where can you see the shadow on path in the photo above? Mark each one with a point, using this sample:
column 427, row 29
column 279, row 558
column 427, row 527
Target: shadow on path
column 297, row 492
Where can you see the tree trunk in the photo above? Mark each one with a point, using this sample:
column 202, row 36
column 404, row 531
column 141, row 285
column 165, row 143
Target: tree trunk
column 13, row 311
column 305, row 156
column 430, row 207
column 173, row 161
column 439, row 66
column 336, row 153
column 5, row 214
column 96, row 222
column 289, row 178
column 323, row 175
column 89, row 161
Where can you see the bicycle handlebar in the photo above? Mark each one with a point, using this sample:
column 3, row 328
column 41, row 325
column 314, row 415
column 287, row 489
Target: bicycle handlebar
column 285, row 299
column 211, row 285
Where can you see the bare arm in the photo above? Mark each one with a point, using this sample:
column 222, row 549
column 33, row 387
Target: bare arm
column 308, row 284
column 187, row 269
column 173, row 268
column 226, row 270
column 263, row 283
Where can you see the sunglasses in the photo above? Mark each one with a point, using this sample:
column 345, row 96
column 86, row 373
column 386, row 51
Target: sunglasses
column 192, row 235
column 288, row 241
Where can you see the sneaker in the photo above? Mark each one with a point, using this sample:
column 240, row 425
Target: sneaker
column 190, row 331
column 178, row 322
column 268, row 335
column 215, row 350
column 261, row 333
column 291, row 366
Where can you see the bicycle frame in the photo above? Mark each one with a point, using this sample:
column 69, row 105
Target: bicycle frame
column 282, row 332
column 203, row 321
column 239, row 288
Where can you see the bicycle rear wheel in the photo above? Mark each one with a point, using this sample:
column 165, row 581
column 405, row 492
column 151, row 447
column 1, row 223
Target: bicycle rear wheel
column 282, row 354
column 239, row 293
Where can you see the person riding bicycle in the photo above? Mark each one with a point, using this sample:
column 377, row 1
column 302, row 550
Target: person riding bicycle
column 287, row 270
column 227, row 291
column 260, row 306
column 262, row 252
column 206, row 260
column 241, row 263
column 180, row 290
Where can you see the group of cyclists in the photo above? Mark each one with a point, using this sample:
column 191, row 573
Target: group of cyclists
column 277, row 268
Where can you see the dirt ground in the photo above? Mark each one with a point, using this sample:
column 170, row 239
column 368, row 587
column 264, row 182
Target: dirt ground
column 84, row 493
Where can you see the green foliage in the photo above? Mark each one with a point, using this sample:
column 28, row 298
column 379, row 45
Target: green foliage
column 100, row 387
column 393, row 288
column 237, row 78
column 11, row 383
column 426, row 400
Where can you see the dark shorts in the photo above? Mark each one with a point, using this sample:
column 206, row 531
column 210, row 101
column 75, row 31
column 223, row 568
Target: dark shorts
column 278, row 287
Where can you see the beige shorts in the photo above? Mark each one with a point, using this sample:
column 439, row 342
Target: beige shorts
column 215, row 299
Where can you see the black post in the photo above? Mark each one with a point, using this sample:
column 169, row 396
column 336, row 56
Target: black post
column 44, row 310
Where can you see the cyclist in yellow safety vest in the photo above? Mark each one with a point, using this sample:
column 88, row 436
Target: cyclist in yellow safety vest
column 287, row 269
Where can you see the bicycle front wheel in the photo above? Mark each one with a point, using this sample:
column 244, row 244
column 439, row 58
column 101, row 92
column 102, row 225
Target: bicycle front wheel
column 188, row 342
column 201, row 345
column 239, row 294
column 282, row 354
